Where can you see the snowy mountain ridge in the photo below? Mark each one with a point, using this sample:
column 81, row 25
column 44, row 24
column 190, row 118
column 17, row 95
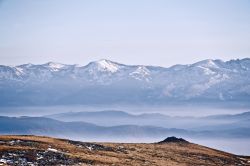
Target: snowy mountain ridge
column 204, row 80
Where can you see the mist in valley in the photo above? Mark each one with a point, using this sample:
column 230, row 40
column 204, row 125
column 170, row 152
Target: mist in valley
column 217, row 127
column 172, row 110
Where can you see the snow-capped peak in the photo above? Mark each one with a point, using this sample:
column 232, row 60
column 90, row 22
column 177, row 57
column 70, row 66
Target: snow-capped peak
column 209, row 63
column 27, row 65
column 142, row 70
column 105, row 65
column 141, row 73
column 54, row 66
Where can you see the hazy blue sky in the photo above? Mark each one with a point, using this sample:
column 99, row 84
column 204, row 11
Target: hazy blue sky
column 155, row 32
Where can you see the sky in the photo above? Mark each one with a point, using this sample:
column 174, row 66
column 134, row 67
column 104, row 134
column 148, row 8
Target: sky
column 148, row 32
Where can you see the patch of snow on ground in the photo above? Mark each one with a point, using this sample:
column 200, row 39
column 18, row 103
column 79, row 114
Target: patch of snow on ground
column 52, row 150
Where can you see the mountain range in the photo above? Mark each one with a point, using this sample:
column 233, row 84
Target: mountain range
column 118, row 125
column 118, row 118
column 108, row 82
column 121, row 133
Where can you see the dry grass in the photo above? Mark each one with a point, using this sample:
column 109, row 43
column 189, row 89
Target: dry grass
column 133, row 154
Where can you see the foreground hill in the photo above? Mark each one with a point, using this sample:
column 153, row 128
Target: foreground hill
column 34, row 150
column 107, row 82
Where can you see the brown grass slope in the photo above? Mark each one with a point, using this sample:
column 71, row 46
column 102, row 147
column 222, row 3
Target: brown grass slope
column 38, row 150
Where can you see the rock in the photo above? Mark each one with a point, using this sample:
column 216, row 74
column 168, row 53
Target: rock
column 173, row 140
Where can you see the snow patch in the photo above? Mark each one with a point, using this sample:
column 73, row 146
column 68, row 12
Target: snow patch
column 105, row 65
column 141, row 73
column 54, row 66
column 3, row 161
column 89, row 147
column 52, row 150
